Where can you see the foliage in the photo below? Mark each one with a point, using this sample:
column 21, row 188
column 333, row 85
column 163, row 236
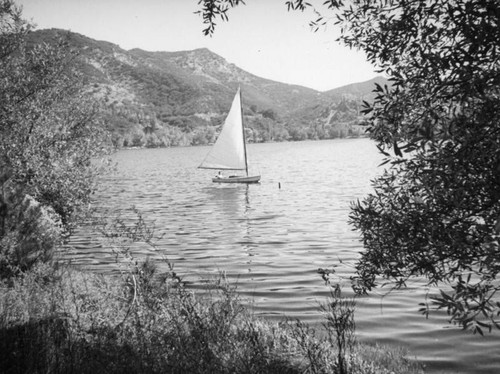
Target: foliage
column 211, row 9
column 60, row 320
column 148, row 319
column 435, row 211
column 30, row 231
column 339, row 313
column 48, row 136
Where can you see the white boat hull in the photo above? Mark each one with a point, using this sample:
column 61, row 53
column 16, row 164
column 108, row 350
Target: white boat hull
column 237, row 179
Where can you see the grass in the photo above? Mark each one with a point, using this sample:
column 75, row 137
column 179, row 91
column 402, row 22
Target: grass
column 60, row 320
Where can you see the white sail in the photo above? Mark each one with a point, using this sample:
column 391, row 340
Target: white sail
column 228, row 152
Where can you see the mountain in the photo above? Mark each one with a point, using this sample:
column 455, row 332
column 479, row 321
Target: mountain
column 180, row 98
column 357, row 90
column 343, row 108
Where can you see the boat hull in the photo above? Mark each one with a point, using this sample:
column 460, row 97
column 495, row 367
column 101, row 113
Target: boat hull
column 237, row 179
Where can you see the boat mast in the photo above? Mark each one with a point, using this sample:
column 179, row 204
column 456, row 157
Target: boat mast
column 243, row 132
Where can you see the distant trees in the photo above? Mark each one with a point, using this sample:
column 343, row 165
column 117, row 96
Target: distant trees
column 269, row 113
column 49, row 134
column 435, row 212
column 192, row 130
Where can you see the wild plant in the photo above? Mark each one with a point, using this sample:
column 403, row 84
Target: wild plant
column 340, row 326
column 29, row 231
column 148, row 320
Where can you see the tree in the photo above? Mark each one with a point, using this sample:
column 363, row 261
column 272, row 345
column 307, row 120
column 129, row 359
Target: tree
column 435, row 211
column 49, row 134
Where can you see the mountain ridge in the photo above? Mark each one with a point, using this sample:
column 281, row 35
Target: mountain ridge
column 180, row 98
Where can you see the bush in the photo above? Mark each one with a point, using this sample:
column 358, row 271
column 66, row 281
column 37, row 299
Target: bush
column 62, row 320
column 49, row 134
column 29, row 234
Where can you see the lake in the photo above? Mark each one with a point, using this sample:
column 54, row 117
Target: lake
column 270, row 238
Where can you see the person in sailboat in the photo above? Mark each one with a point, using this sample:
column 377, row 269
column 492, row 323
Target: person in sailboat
column 219, row 175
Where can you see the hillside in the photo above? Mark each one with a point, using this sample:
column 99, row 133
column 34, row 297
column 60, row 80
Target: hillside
column 180, row 98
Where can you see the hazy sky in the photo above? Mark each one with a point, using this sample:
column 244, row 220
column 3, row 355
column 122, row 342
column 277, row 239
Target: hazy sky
column 261, row 37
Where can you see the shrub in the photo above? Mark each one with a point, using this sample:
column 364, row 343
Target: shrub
column 29, row 231
column 62, row 320
column 49, row 134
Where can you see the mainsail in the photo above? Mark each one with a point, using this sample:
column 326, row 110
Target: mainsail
column 229, row 152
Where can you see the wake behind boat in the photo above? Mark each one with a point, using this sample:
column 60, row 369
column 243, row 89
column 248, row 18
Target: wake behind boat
column 229, row 151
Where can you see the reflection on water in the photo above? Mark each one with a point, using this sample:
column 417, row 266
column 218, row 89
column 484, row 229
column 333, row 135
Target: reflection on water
column 271, row 238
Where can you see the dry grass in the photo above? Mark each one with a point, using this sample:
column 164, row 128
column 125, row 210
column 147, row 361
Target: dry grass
column 60, row 320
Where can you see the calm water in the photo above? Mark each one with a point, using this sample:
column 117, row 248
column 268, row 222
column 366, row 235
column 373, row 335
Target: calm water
column 272, row 237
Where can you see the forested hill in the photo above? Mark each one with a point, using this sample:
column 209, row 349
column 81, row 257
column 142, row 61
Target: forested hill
column 180, row 98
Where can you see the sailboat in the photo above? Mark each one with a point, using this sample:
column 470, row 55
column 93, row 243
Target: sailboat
column 229, row 151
